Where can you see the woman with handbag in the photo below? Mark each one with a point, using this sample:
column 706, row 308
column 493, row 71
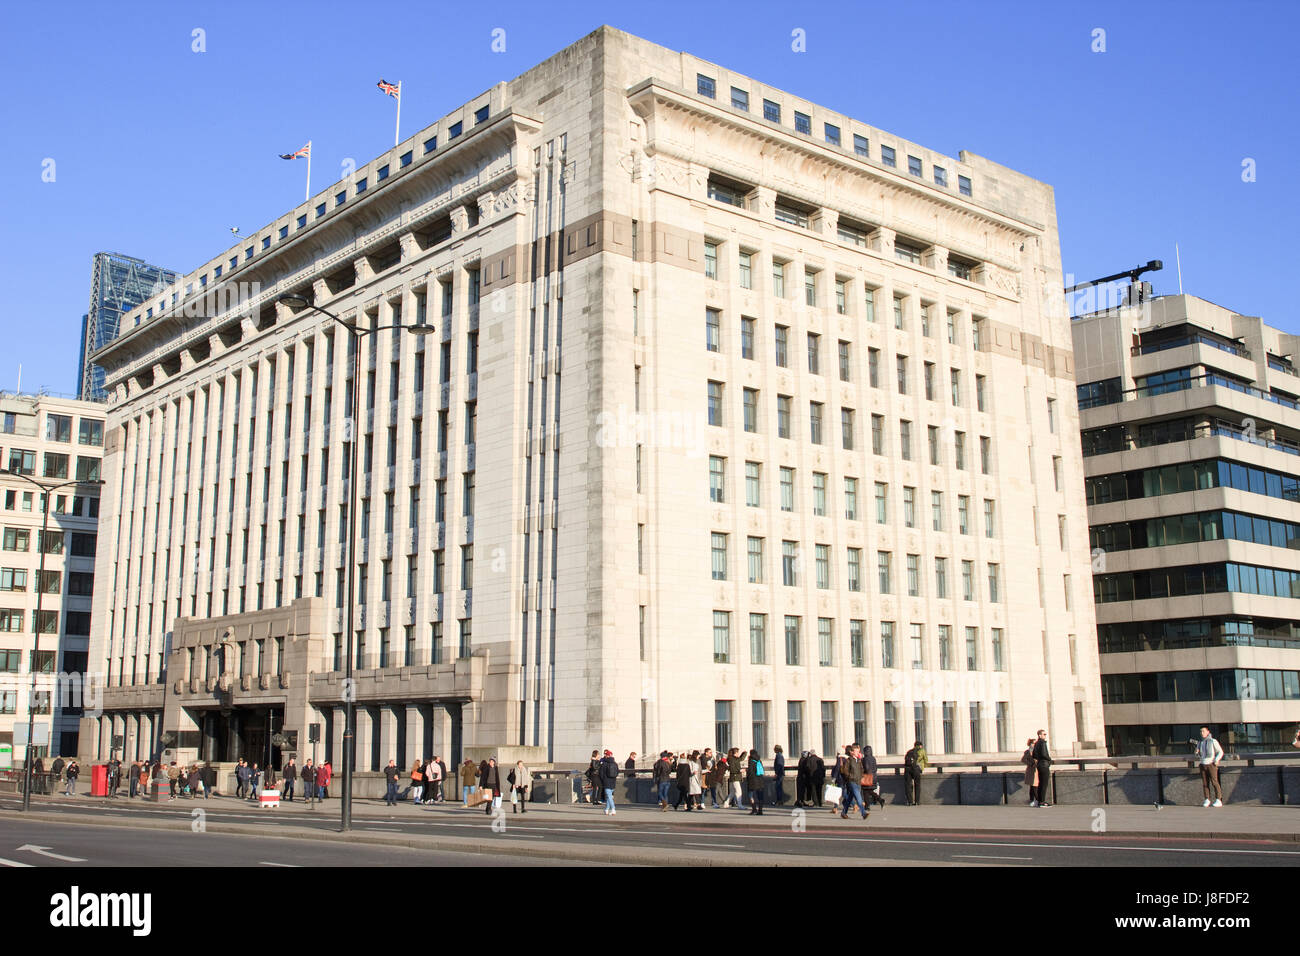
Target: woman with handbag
column 870, row 791
column 1027, row 758
column 490, row 780
column 417, row 781
column 521, row 781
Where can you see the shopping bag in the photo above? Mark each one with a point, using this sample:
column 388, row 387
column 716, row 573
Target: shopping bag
column 833, row 794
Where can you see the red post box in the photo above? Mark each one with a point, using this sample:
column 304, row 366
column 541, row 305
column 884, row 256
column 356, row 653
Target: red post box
column 99, row 780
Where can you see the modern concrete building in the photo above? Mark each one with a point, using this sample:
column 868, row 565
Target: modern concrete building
column 778, row 443
column 118, row 284
column 1191, row 435
column 53, row 442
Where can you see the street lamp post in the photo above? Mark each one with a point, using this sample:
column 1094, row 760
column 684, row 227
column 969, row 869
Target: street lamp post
column 36, row 628
column 349, row 686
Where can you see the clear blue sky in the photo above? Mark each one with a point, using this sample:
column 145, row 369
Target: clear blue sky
column 158, row 150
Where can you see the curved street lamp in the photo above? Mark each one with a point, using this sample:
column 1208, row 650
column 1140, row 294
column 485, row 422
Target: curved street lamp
column 296, row 300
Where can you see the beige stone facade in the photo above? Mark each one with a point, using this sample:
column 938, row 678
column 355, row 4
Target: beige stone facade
column 544, row 489
column 1191, row 428
column 54, row 442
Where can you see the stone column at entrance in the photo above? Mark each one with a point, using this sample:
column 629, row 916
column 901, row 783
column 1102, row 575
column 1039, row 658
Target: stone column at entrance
column 416, row 720
column 388, row 714
column 339, row 720
column 365, row 738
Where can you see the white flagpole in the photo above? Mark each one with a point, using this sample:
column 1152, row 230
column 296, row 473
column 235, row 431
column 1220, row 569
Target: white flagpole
column 397, row 133
column 308, row 196
column 1179, row 260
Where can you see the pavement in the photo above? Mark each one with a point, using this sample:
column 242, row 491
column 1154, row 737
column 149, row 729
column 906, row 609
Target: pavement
column 638, row 834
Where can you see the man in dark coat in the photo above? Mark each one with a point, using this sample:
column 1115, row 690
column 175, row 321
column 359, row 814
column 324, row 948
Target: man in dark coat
column 912, row 767
column 290, row 777
column 816, row 779
column 1043, row 763
column 593, row 770
column 663, row 775
column 489, row 781
column 607, row 778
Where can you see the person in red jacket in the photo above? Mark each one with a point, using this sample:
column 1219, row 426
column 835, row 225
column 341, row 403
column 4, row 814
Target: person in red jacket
column 323, row 776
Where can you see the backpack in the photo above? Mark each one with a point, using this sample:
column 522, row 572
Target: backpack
column 510, row 778
column 758, row 768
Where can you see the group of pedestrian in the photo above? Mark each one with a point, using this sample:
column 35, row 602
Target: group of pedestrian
column 1038, row 770
column 698, row 772
column 427, row 778
column 483, row 783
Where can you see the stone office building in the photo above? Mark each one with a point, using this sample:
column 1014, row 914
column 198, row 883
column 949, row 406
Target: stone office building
column 1191, row 436
column 778, row 443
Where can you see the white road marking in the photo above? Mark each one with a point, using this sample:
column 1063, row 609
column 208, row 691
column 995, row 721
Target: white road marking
column 4, row 862
column 729, row 846
column 269, row 863
column 975, row 856
column 45, row 851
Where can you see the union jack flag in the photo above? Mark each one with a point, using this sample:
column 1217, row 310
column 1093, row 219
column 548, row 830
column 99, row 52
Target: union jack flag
column 386, row 87
column 300, row 154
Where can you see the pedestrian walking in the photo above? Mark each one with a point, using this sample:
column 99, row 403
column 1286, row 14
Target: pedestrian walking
column 114, row 776
column 682, row 772
column 71, row 772
column 871, row 786
column 629, row 766
column 254, row 781
column 853, row 775
column 663, row 778
column 755, row 781
column 144, row 778
column 778, row 771
column 817, row 778
column 391, row 778
column 1031, row 771
column 607, row 776
column 490, row 781
column 417, row 781
column 468, row 781
column 1211, row 755
column 290, row 779
column 433, row 781
column 324, row 774
column 173, row 779
column 914, row 764
column 521, row 781
column 735, row 778
column 1043, row 762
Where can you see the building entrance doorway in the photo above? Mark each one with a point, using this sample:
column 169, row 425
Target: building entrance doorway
column 245, row 732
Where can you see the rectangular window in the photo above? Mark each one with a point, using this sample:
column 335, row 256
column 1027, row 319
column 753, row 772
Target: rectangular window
column 972, row 648
column 995, row 642
column 955, row 375
column 719, row 556
column 959, row 450
column 715, row 403
column 753, row 484
column 914, row 166
column 940, row 176
column 968, row 580
column 945, row 647
column 746, row 273
column 815, row 422
column 717, row 479
column 722, row 735
column 900, row 362
column 882, row 503
column 814, row 353
column 986, row 455
column 857, row 645
column 887, row 644
column 823, row 566
column 819, row 493
column 862, row 148
column 832, row 134
column 989, row 523
column 828, row 727
column 841, row 299
column 905, row 439
column 771, row 111
column 994, row 584
column 90, row 432
column 750, row 404
column 851, row 499
column 792, row 640
column 914, row 575
column 936, row 510
column 846, row 429
column 855, row 569
column 739, row 99
column 869, row 305
column 802, row 123
column 980, row 399
column 941, row 578
column 825, row 642
column 755, row 555
column 887, row 156
column 712, row 330
column 758, row 725
column 909, row 507
column 706, row 86
column 746, row 337
column 758, row 638
column 928, row 379
column 790, row 564
column 882, row 568
column 721, row 637
column 899, row 313
column 917, row 641
column 778, row 279
column 963, row 186
column 787, row 489
column 782, row 340
column 783, row 416
column 711, row 261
